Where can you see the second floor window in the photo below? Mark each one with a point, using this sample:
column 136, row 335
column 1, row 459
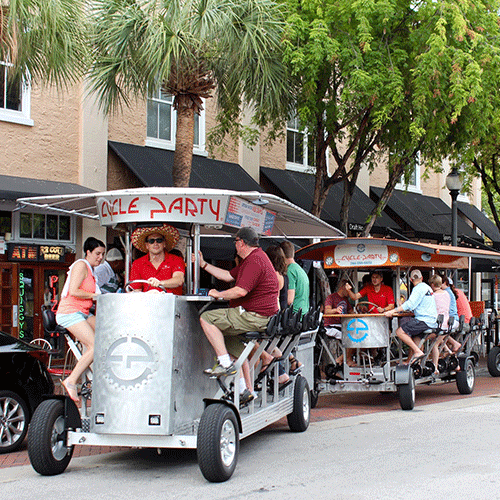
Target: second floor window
column 411, row 182
column 300, row 150
column 162, row 123
column 14, row 98
column 38, row 226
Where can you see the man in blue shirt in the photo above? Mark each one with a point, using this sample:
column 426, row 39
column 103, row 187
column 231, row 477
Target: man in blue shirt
column 422, row 303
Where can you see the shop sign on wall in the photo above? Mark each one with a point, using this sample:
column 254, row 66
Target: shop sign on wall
column 52, row 253
column 22, row 306
column 18, row 252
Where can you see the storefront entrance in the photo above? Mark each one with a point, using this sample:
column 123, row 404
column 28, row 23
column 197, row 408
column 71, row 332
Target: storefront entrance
column 25, row 289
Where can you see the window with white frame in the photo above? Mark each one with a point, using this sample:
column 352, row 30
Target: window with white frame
column 300, row 150
column 411, row 182
column 14, row 98
column 161, row 123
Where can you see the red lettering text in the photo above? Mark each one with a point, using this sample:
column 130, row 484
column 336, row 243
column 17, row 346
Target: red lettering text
column 162, row 210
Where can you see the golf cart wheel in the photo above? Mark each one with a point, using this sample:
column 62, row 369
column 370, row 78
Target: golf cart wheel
column 14, row 420
column 218, row 443
column 494, row 362
column 407, row 393
column 47, row 448
column 298, row 420
column 466, row 377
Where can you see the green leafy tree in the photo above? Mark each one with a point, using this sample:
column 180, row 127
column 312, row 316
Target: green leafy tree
column 379, row 81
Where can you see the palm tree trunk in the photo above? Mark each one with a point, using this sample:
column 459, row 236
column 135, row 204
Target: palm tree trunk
column 184, row 139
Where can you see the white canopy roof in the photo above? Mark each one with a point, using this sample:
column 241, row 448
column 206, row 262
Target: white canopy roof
column 216, row 211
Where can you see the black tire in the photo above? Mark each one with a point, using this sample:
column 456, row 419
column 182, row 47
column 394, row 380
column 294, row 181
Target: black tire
column 298, row 420
column 466, row 377
column 218, row 443
column 494, row 362
column 47, row 449
column 14, row 420
column 407, row 393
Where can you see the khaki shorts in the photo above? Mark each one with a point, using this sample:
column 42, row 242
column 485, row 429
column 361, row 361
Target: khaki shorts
column 234, row 321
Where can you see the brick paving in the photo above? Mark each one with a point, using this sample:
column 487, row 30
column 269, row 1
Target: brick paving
column 329, row 407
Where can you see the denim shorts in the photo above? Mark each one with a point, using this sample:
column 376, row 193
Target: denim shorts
column 67, row 320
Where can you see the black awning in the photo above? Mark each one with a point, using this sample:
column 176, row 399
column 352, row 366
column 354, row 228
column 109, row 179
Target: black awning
column 480, row 220
column 298, row 187
column 423, row 216
column 153, row 167
column 12, row 188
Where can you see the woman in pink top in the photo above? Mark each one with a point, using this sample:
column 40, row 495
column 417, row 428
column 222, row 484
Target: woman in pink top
column 73, row 313
column 463, row 306
column 442, row 300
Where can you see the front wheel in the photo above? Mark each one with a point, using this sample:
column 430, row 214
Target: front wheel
column 407, row 393
column 466, row 377
column 494, row 362
column 47, row 448
column 14, row 420
column 218, row 443
column 298, row 420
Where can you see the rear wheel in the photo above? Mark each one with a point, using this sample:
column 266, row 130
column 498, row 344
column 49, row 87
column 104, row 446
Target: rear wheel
column 466, row 377
column 218, row 443
column 407, row 393
column 14, row 420
column 298, row 420
column 47, row 448
column 494, row 362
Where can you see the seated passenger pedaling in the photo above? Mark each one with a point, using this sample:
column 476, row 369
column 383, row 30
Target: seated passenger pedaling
column 284, row 331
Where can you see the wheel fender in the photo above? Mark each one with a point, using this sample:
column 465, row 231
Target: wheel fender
column 402, row 374
column 72, row 417
column 462, row 359
column 210, row 401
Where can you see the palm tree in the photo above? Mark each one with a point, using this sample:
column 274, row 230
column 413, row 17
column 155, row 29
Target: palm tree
column 191, row 49
column 44, row 40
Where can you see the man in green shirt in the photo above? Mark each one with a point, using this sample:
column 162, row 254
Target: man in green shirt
column 298, row 282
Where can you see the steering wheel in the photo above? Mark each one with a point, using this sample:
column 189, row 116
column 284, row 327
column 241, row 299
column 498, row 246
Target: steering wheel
column 128, row 288
column 364, row 304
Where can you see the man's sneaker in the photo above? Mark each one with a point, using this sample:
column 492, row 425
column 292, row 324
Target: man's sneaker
column 219, row 371
column 245, row 397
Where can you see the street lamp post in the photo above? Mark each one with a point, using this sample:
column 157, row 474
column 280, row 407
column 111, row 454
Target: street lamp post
column 454, row 185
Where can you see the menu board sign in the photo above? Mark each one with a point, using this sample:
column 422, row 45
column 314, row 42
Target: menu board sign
column 242, row 213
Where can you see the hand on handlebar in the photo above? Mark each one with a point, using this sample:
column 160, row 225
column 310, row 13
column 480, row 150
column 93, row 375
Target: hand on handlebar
column 154, row 282
column 215, row 293
column 201, row 260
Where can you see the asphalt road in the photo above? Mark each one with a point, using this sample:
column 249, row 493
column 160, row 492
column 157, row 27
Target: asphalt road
column 438, row 450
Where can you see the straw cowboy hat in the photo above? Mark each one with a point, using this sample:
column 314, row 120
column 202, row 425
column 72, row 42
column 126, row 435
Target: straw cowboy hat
column 140, row 235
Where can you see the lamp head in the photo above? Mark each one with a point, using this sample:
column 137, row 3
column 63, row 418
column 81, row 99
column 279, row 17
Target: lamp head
column 453, row 181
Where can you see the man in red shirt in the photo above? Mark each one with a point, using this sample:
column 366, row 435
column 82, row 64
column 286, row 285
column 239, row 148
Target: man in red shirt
column 252, row 301
column 380, row 295
column 158, row 267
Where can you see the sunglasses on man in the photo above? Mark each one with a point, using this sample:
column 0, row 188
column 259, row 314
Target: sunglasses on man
column 155, row 240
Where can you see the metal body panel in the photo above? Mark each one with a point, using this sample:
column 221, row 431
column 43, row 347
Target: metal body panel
column 365, row 331
column 140, row 386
